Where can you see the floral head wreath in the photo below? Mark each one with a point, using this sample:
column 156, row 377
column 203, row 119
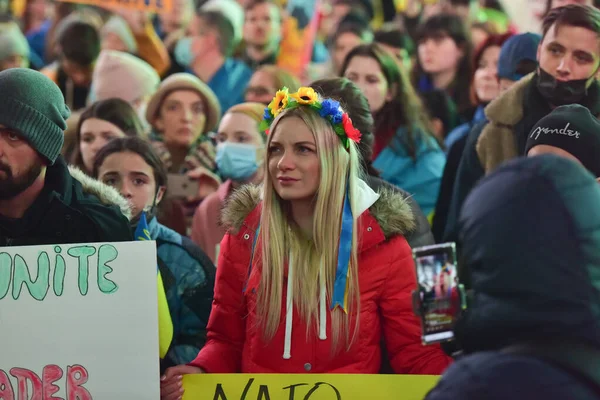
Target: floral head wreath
column 327, row 108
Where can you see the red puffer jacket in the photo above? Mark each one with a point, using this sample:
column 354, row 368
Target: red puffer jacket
column 386, row 280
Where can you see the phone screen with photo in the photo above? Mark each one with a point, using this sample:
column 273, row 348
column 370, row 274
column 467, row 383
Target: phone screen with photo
column 438, row 291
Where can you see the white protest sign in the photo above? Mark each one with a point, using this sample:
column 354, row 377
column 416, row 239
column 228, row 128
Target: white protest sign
column 79, row 322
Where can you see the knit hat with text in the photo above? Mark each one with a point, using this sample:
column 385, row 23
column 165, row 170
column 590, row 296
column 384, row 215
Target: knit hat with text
column 573, row 129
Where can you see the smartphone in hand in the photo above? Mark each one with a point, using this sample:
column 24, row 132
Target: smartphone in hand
column 438, row 298
column 181, row 186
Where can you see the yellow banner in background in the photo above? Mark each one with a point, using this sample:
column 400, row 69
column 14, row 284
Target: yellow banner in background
column 157, row 6
column 306, row 387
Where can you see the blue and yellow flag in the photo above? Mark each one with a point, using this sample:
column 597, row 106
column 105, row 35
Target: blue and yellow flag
column 165, row 324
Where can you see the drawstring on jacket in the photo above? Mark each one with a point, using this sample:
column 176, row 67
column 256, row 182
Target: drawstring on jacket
column 289, row 309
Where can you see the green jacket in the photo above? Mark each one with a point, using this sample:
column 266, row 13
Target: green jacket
column 72, row 208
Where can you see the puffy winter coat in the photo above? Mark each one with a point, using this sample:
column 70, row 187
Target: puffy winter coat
column 386, row 280
column 531, row 237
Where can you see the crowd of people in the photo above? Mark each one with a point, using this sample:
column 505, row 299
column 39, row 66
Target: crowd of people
column 284, row 207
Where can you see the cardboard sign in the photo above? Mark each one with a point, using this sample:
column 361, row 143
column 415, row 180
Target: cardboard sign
column 306, row 387
column 156, row 6
column 79, row 321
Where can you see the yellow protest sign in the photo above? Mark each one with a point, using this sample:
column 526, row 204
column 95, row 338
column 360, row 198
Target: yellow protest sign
column 157, row 6
column 306, row 386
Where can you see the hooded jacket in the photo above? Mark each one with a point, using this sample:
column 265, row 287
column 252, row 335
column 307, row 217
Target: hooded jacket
column 386, row 280
column 531, row 241
column 72, row 208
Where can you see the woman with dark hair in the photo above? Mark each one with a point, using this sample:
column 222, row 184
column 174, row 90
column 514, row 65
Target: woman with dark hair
column 355, row 103
column 485, row 87
column 399, row 43
column 131, row 166
column 348, row 36
column 444, row 60
column 405, row 151
column 100, row 123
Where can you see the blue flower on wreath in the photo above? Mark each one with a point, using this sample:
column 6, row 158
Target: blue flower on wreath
column 329, row 107
column 337, row 118
column 267, row 114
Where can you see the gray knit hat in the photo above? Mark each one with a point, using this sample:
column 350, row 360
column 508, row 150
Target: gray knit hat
column 32, row 105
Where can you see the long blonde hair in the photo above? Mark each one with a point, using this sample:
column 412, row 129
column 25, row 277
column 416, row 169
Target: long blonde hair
column 281, row 242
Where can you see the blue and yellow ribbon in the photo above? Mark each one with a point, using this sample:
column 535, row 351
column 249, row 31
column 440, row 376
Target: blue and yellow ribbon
column 340, row 286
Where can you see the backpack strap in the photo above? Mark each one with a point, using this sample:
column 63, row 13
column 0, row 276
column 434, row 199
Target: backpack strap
column 579, row 360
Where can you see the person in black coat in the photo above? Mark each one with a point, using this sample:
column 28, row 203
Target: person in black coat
column 41, row 201
column 531, row 243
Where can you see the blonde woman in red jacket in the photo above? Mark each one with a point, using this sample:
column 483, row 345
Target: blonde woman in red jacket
column 314, row 269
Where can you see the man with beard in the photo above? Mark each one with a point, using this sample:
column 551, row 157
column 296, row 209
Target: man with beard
column 568, row 59
column 41, row 201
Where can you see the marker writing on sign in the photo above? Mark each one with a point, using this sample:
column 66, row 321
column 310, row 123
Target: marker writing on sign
column 15, row 272
column 264, row 393
column 44, row 387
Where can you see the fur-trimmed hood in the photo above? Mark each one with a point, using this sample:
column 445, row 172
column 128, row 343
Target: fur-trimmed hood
column 497, row 143
column 392, row 211
column 106, row 194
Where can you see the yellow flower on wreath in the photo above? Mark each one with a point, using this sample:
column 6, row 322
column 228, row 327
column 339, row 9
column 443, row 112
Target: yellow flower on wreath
column 305, row 95
column 279, row 102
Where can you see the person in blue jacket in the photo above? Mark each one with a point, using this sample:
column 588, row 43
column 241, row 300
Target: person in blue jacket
column 405, row 151
column 531, row 246
column 132, row 167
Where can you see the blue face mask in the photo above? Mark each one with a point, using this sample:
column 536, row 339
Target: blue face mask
column 236, row 161
column 183, row 52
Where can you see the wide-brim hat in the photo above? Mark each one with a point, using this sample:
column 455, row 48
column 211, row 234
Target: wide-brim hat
column 185, row 81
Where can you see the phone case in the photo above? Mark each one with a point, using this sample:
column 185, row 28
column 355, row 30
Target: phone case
column 181, row 186
column 437, row 300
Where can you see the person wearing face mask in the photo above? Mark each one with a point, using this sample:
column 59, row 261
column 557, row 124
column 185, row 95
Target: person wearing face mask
column 131, row 166
column 207, row 53
column 240, row 151
column 568, row 59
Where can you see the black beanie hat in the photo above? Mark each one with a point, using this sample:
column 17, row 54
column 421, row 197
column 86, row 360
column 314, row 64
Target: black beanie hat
column 573, row 129
column 34, row 107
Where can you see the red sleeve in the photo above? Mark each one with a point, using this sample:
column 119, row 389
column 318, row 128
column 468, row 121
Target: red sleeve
column 401, row 327
column 222, row 352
